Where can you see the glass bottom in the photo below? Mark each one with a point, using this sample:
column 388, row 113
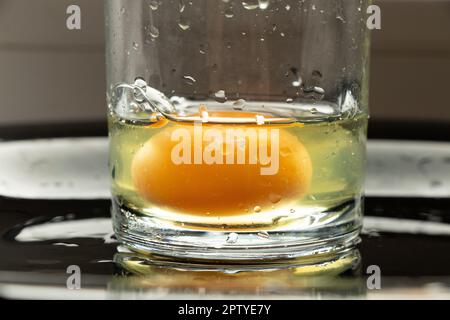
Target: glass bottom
column 260, row 244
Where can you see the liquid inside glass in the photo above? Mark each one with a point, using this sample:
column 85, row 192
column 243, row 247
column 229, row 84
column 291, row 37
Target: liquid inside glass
column 218, row 167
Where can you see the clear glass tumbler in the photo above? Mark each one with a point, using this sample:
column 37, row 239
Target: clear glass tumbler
column 237, row 128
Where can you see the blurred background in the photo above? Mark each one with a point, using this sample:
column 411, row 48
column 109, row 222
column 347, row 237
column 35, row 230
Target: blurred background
column 49, row 74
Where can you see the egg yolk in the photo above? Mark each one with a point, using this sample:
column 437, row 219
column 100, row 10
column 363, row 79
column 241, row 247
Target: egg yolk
column 220, row 189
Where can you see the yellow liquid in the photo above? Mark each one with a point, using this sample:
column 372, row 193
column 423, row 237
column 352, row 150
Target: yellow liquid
column 320, row 167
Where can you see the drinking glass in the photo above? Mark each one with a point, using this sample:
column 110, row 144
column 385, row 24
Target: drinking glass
column 237, row 128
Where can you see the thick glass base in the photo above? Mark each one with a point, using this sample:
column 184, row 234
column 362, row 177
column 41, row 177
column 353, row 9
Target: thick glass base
column 319, row 241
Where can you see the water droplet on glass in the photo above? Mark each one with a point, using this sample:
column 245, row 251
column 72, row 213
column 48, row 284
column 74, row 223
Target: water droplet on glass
column 297, row 83
column 292, row 211
column 317, row 74
column 289, row 100
column 229, row 13
column 340, row 18
column 181, row 6
column 294, row 71
column 275, row 198
column 220, row 96
column 153, row 32
column 232, row 237
column 184, row 24
column 250, row 4
column 135, row 46
column 154, row 5
column 189, row 80
column 288, row 7
column 298, row 79
column 263, row 234
column 263, row 4
column 319, row 90
column 313, row 110
column 257, row 209
column 315, row 92
column 239, row 104
column 203, row 48
column 122, row 10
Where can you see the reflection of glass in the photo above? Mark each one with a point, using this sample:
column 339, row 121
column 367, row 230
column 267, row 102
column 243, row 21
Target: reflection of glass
column 149, row 275
column 237, row 131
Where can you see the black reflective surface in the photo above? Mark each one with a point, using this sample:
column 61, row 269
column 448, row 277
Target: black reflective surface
column 407, row 260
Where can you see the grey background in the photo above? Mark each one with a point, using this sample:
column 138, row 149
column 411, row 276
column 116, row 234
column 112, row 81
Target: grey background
column 50, row 74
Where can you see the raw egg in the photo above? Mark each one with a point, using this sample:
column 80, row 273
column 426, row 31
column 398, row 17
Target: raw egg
column 208, row 177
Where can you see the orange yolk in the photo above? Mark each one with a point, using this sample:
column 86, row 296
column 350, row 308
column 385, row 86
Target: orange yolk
column 220, row 189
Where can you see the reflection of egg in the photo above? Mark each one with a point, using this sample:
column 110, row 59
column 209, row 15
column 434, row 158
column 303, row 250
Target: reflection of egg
column 219, row 189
